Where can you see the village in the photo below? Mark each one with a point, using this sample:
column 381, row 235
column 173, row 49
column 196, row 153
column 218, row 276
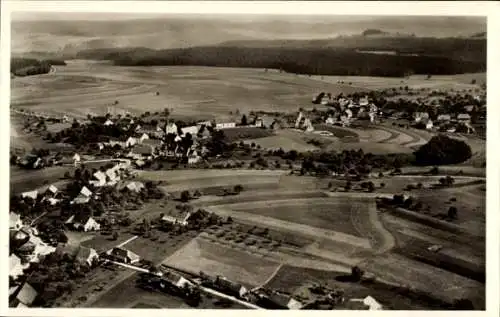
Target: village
column 103, row 187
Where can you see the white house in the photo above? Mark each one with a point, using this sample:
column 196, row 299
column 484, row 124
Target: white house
column 225, row 125
column 443, row 118
column 100, row 179
column 52, row 190
column 192, row 129
column 86, row 255
column 363, row 101
column 308, row 125
column 131, row 141
column 464, row 118
column 135, row 186
column 429, row 125
column 108, row 122
column 76, row 159
column 330, row 120
column 419, row 116
column 15, row 266
column 193, row 157
column 31, row 194
column 299, row 120
column 83, row 197
column 15, row 222
column 85, row 223
column 143, row 137
column 171, row 128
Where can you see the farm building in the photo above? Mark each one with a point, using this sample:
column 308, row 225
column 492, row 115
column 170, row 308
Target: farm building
column 193, row 157
column 83, row 222
column 363, row 102
column 100, row 179
column 170, row 220
column 123, row 255
column 31, row 161
column 15, row 222
column 225, row 125
column 108, row 122
column 35, row 248
column 276, row 300
column 81, row 254
column 23, row 296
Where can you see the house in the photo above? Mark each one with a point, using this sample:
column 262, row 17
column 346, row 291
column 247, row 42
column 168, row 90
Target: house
column 443, row 118
column 330, row 120
column 108, row 122
column 299, row 120
column 76, row 159
column 113, row 174
column 175, row 280
column 193, row 157
column 31, row 194
column 170, row 220
column 429, row 125
column 464, row 118
column 264, row 122
column 203, row 132
column 369, row 301
column 142, row 150
column 205, row 123
column 100, row 145
column 15, row 222
column 469, row 108
column 193, row 130
column 143, row 137
column 283, row 301
column 225, row 125
column 363, row 102
column 83, row 197
column 100, row 179
column 86, row 256
column 24, row 296
column 419, row 116
column 131, row 141
column 308, row 126
column 83, row 222
column 123, row 255
column 230, row 287
column 15, row 266
column 171, row 128
column 177, row 139
column 51, row 191
column 31, row 161
column 135, row 186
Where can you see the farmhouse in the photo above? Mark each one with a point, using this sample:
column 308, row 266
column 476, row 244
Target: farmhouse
column 123, row 255
column 23, row 296
column 330, row 120
column 131, row 141
column 175, row 280
column 225, row 125
column 15, row 222
column 469, row 108
column 264, row 122
column 83, row 222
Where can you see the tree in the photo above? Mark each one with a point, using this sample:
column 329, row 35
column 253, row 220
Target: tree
column 238, row 188
column 452, row 212
column 348, row 186
column 356, row 273
column 382, row 185
column 463, row 304
column 371, row 187
column 185, row 196
column 244, row 120
column 442, row 150
column 115, row 235
column 330, row 184
column 473, row 82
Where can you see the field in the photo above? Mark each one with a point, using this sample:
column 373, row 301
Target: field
column 188, row 91
column 25, row 180
column 202, row 255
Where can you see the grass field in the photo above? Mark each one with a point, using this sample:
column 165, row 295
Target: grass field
column 22, row 180
column 186, row 90
column 320, row 213
column 287, row 140
column 201, row 255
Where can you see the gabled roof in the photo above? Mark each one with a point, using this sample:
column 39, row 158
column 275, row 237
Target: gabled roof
column 53, row 189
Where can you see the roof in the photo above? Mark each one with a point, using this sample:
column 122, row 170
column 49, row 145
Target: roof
column 152, row 142
column 280, row 299
column 85, row 253
column 229, row 284
column 13, row 219
column 444, row 117
column 267, row 121
column 192, row 129
column 27, row 294
column 53, row 189
column 125, row 253
column 135, row 186
column 142, row 149
column 463, row 116
column 85, row 192
column 100, row 176
column 32, row 194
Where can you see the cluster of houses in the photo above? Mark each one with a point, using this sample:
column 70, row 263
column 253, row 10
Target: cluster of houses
column 348, row 110
column 444, row 122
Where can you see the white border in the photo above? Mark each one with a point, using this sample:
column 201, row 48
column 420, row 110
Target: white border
column 452, row 8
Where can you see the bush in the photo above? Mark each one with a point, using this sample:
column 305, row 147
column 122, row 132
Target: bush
column 185, row 196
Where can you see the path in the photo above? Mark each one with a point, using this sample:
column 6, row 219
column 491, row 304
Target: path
column 126, row 241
